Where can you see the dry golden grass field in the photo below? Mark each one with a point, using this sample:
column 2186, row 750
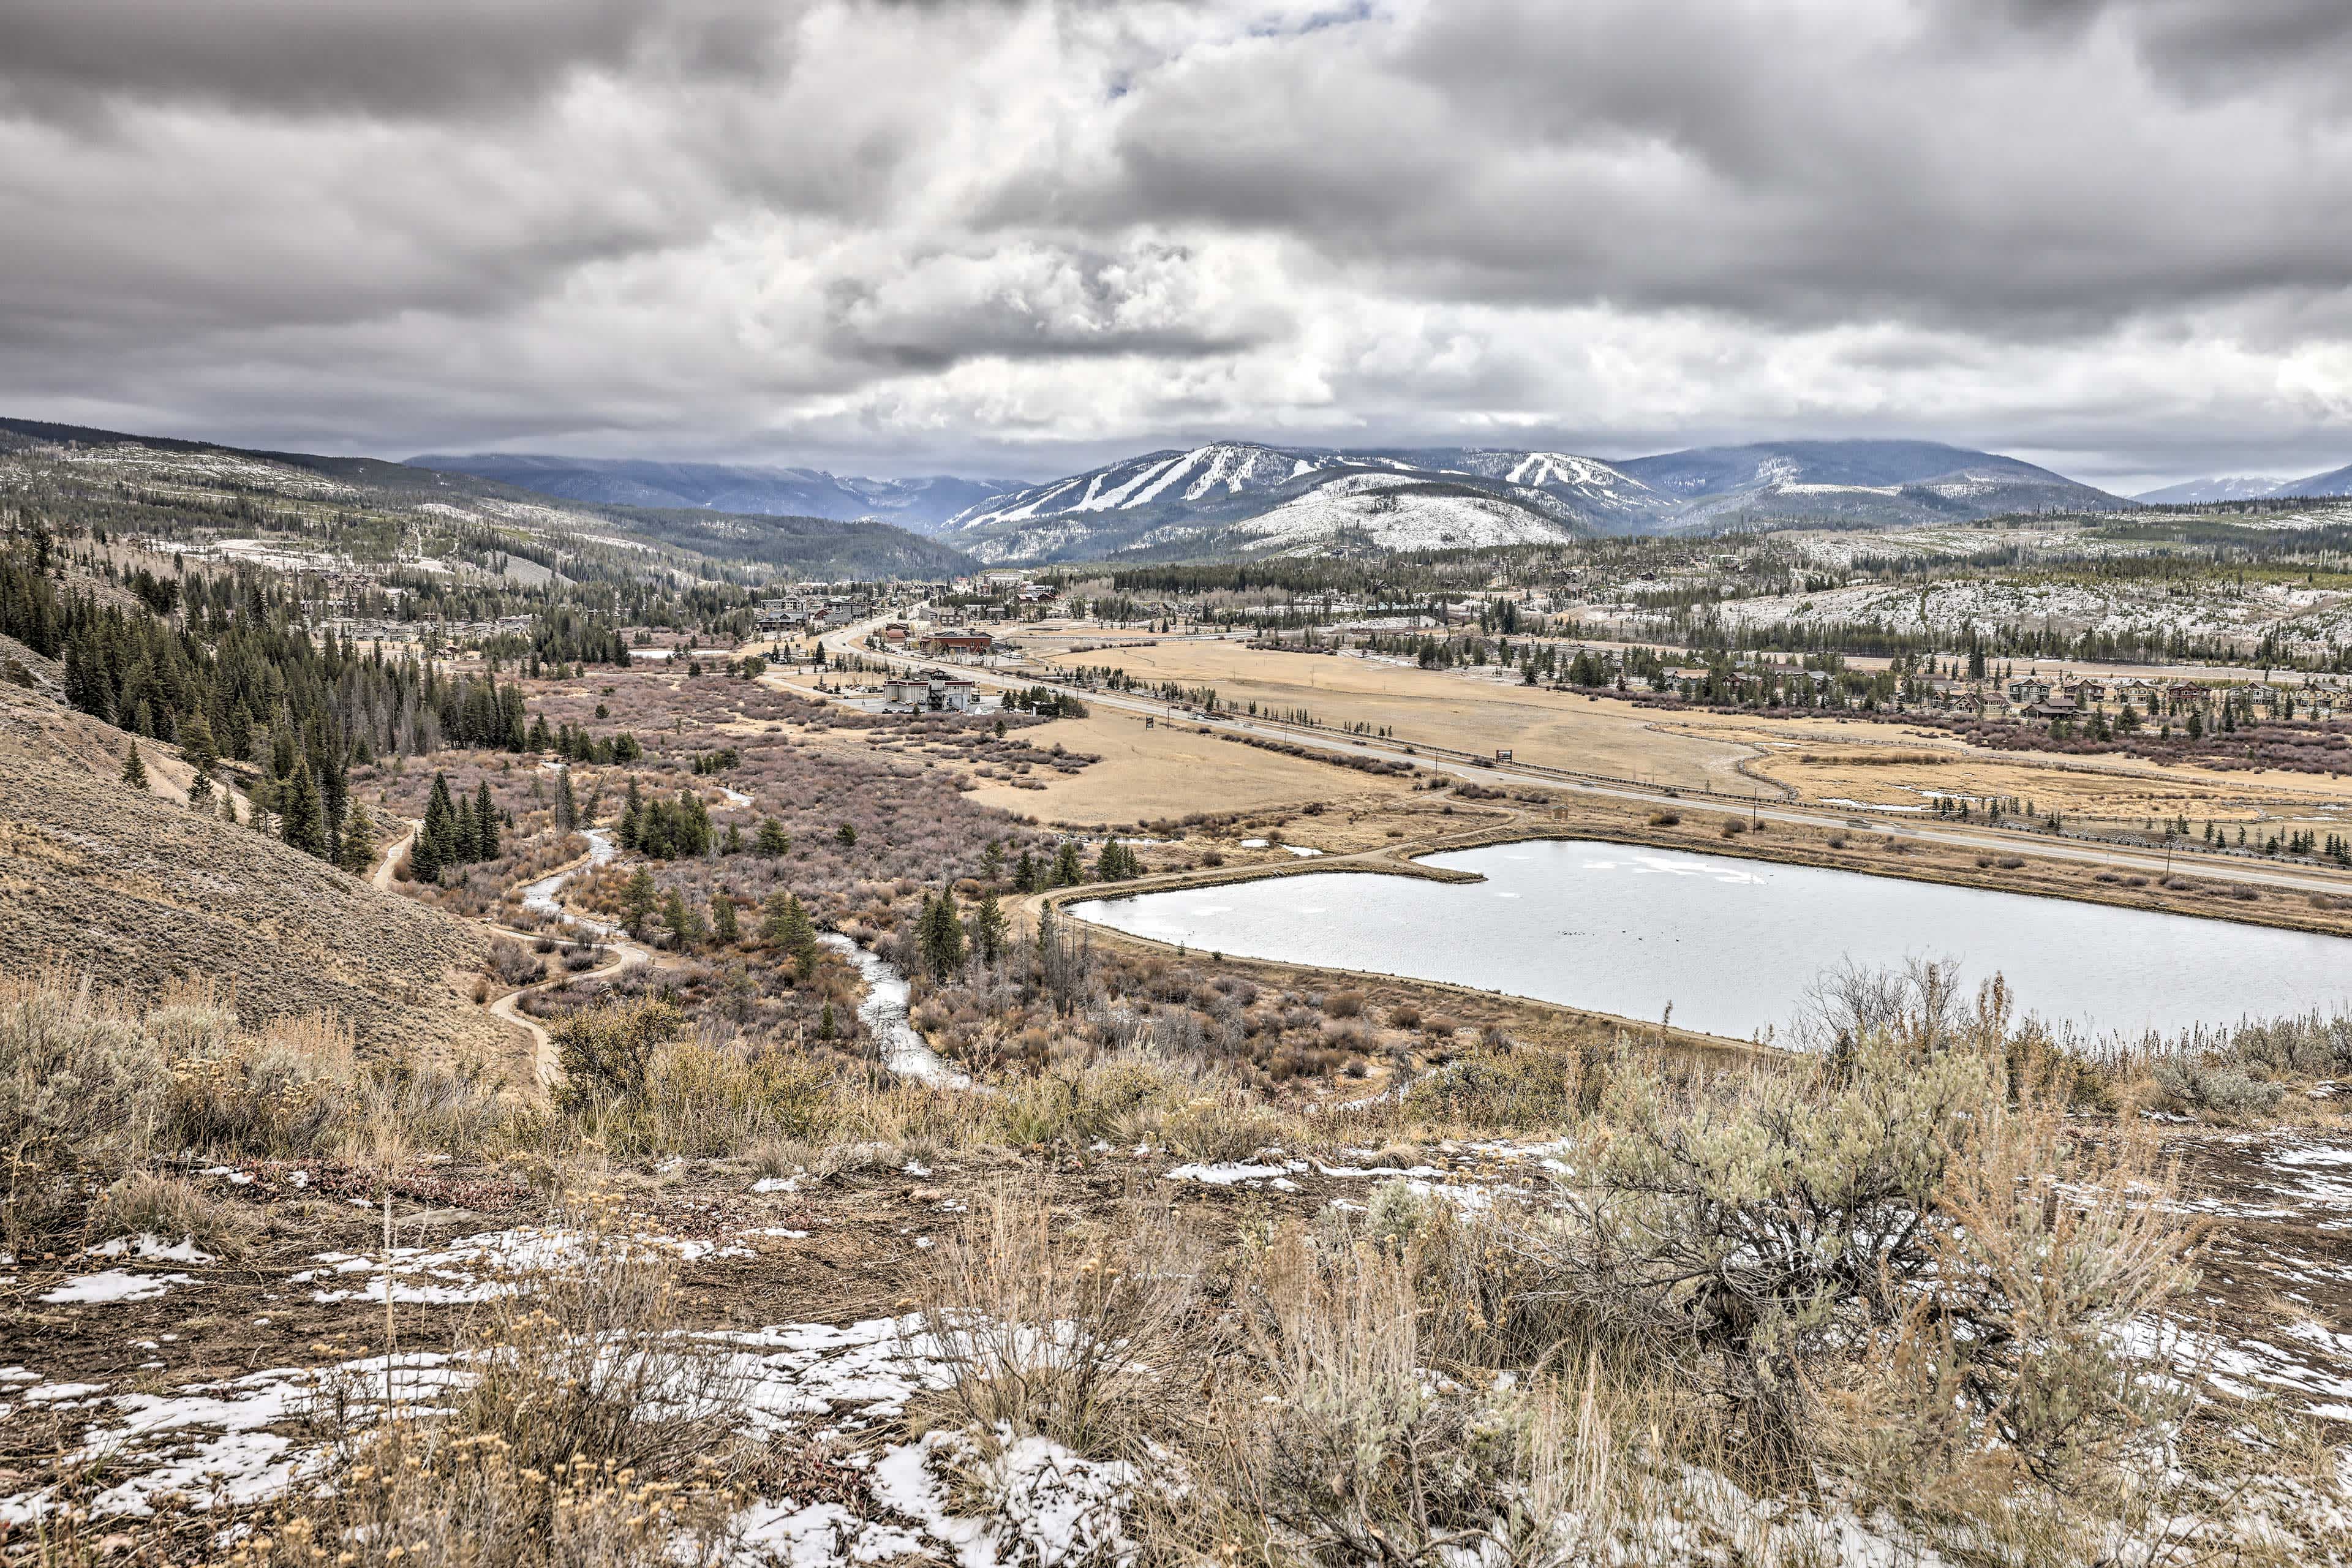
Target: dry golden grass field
column 1168, row 770
column 1823, row 761
column 1552, row 728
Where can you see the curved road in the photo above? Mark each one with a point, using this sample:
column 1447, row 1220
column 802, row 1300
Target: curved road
column 1989, row 840
column 382, row 875
column 627, row 955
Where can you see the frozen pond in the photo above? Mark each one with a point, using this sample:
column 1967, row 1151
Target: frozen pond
column 1735, row 945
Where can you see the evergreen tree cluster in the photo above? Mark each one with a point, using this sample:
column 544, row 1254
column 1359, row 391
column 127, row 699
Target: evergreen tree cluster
column 1068, row 868
column 239, row 659
column 577, row 745
column 454, row 832
column 1117, row 863
column 674, row 829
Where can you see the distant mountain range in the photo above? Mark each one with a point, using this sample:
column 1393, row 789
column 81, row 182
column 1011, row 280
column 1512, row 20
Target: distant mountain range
column 920, row 504
column 1237, row 497
column 1240, row 500
column 797, row 543
column 2247, row 487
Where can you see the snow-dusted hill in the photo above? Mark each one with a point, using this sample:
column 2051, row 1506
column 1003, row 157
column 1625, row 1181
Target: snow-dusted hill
column 1864, row 484
column 1395, row 512
column 917, row 504
column 1602, row 494
column 2335, row 482
column 2250, row 487
column 2220, row 487
column 1220, row 498
column 1224, row 497
column 1214, row 473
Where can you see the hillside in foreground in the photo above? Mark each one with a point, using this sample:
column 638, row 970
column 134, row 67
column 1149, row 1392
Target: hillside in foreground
column 143, row 895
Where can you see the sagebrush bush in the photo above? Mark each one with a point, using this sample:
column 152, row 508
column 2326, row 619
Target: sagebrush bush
column 708, row 1102
column 2214, row 1087
column 282, row 1093
column 1357, row 1454
column 608, row 1052
column 1498, row 1090
column 1754, row 1228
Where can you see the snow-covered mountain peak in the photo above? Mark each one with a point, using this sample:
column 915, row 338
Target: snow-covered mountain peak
column 1218, row 470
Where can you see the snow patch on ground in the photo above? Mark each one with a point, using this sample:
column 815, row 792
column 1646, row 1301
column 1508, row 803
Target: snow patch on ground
column 113, row 1285
column 151, row 1248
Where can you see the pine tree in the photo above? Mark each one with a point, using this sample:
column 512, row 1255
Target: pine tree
column 722, row 919
column 633, row 811
column 1068, row 870
column 357, row 855
column 200, row 792
column 134, row 771
column 437, row 845
column 485, row 824
column 567, row 808
column 942, row 936
column 987, row 928
column 303, row 825
column 228, row 806
column 786, row 928
column 846, row 836
column 638, row 903
column 684, row 929
column 772, row 841
column 1024, row 875
column 196, row 742
column 460, row 848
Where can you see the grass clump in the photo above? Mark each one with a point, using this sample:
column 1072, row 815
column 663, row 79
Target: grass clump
column 597, row 1430
column 1069, row 1338
column 80, row 1099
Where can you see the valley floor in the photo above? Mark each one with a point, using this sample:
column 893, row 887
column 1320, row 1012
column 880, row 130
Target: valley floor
column 1218, row 1259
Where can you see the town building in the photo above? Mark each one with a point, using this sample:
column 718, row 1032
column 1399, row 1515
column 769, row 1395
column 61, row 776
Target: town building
column 957, row 644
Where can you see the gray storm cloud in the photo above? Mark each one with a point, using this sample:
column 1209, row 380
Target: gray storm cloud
column 1021, row 236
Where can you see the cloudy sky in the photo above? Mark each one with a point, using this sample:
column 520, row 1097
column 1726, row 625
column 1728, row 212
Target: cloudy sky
column 1016, row 238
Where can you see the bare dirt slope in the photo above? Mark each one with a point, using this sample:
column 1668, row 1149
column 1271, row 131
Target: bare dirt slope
column 138, row 892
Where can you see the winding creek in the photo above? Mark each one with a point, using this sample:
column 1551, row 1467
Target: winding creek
column 883, row 1009
column 1735, row 945
column 884, row 1014
column 542, row 896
